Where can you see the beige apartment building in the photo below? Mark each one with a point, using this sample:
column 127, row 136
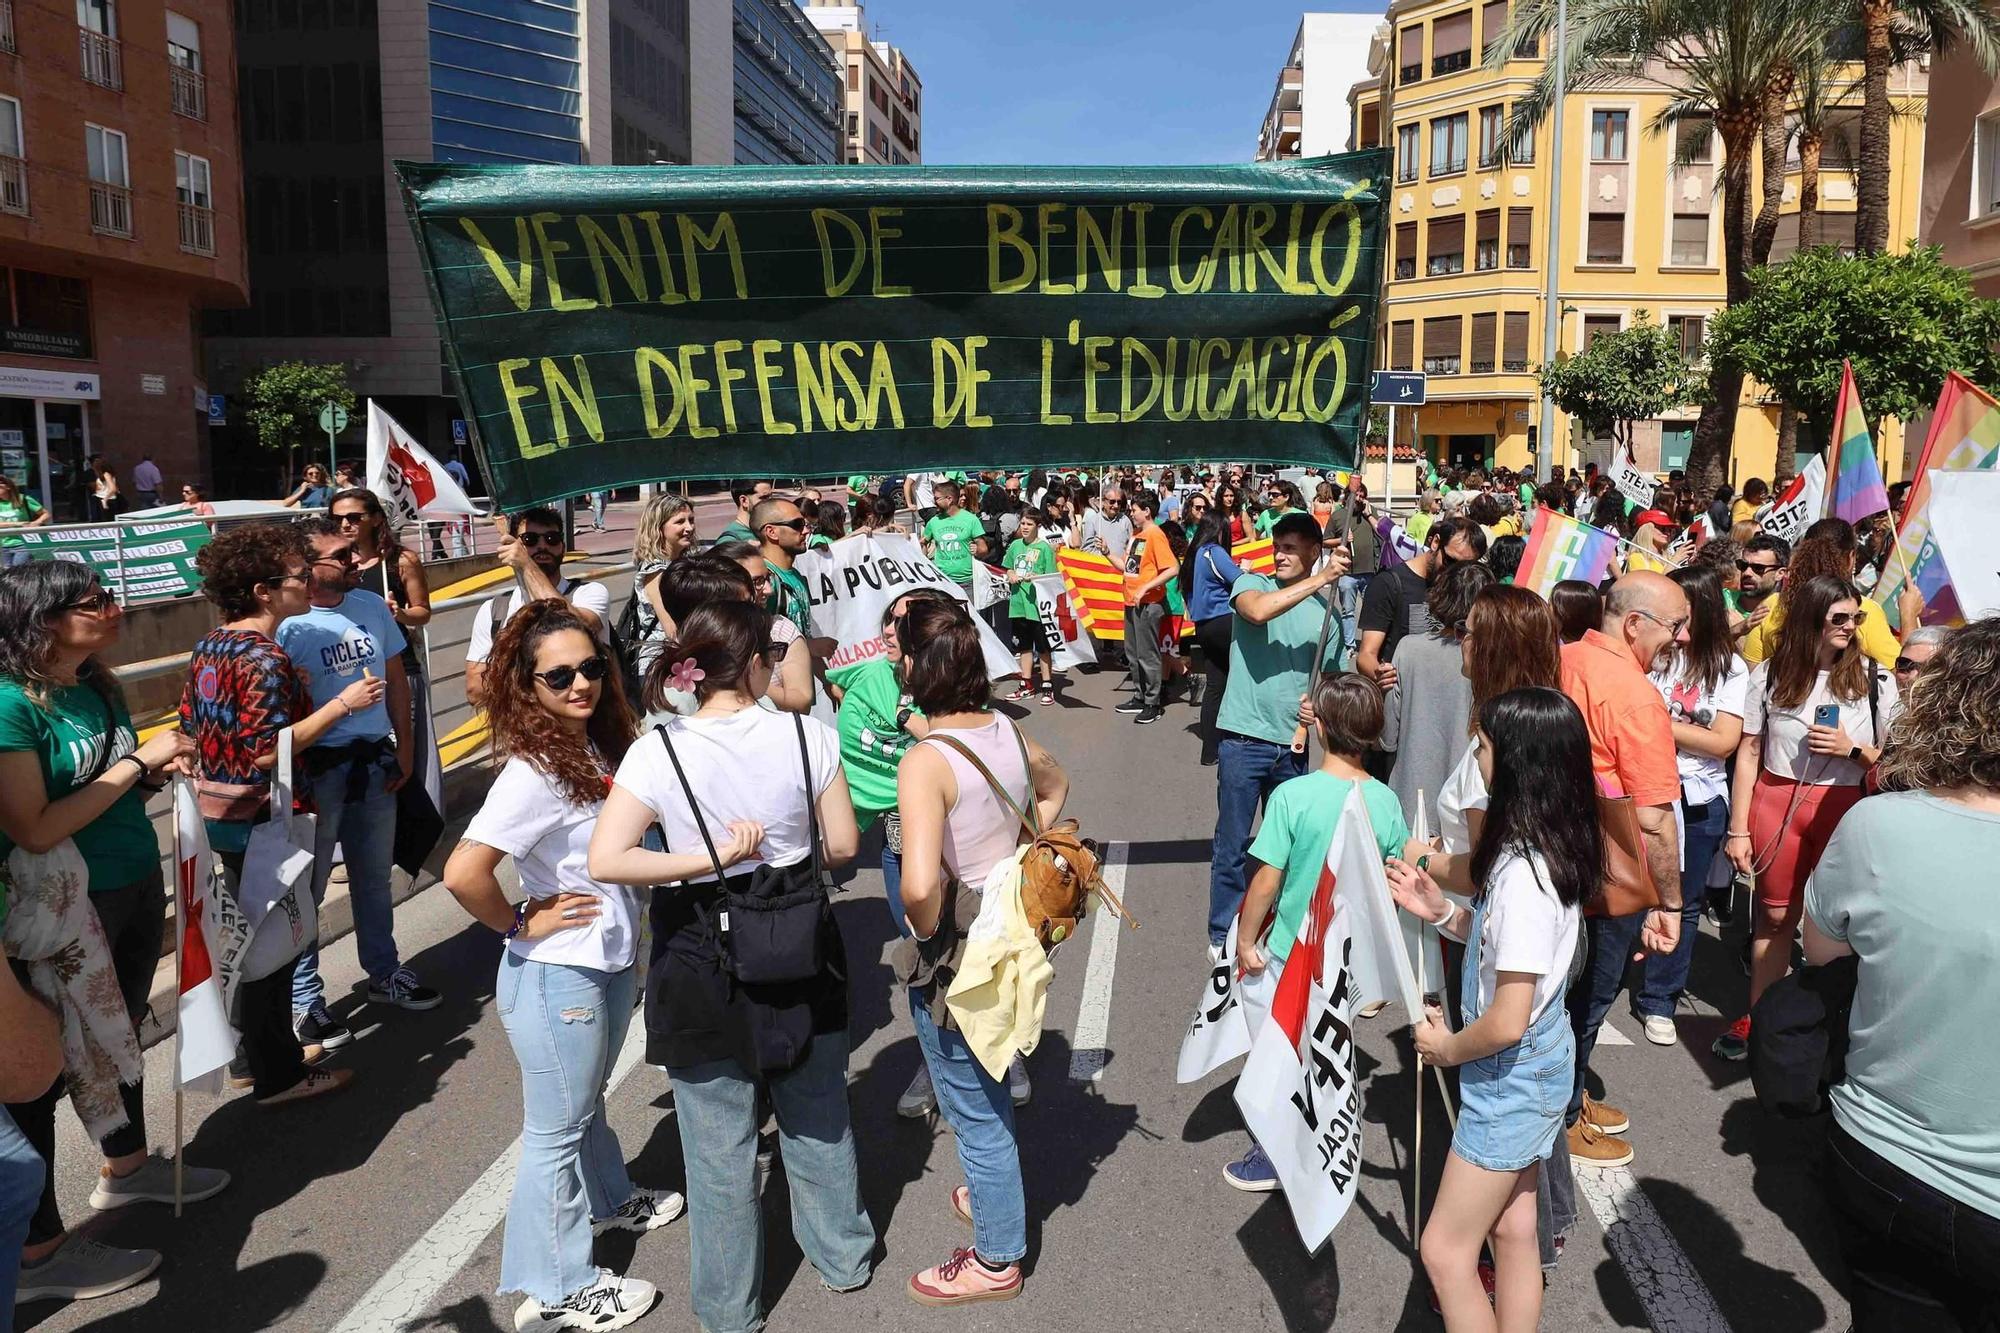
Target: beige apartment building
column 1960, row 208
column 884, row 95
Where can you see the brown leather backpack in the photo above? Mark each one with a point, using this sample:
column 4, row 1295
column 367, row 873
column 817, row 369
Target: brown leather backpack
column 1061, row 871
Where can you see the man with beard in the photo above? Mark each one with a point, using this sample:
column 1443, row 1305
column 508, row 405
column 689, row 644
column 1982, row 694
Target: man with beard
column 1394, row 603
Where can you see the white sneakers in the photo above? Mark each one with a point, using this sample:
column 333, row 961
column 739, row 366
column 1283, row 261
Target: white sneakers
column 1660, row 1030
column 608, row 1302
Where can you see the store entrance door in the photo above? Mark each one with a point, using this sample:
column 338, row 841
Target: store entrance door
column 69, row 478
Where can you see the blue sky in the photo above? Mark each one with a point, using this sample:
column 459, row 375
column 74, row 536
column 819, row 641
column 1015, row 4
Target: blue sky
column 1122, row 82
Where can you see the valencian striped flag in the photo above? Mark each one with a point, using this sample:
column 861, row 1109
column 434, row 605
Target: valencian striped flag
column 1561, row 547
column 1096, row 590
column 1964, row 437
column 1855, row 490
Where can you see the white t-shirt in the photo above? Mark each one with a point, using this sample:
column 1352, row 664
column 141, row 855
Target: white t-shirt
column 1784, row 730
column 1703, row 779
column 586, row 595
column 1464, row 790
column 529, row 819
column 926, row 490
column 743, row 767
column 1527, row 929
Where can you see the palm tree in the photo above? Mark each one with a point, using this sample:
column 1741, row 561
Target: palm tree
column 1727, row 62
column 1892, row 31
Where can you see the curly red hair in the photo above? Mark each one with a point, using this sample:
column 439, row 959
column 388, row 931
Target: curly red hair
column 522, row 727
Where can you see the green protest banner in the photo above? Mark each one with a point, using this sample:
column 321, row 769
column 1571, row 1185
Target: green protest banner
column 609, row 325
column 139, row 562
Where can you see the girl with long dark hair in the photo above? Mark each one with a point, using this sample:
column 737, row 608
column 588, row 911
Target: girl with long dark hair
column 1229, row 505
column 567, row 978
column 1538, row 856
column 1814, row 717
column 1206, row 576
column 1704, row 689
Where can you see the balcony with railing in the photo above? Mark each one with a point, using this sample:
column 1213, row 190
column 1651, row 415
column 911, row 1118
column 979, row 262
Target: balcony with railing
column 13, row 186
column 1450, row 63
column 110, row 209
column 7, row 27
column 197, row 229
column 190, row 92
column 103, row 63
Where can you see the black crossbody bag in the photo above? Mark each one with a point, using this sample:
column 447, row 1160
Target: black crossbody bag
column 769, row 924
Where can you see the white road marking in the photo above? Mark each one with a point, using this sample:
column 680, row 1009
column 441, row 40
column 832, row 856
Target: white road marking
column 1088, row 1054
column 413, row 1281
column 1611, row 1036
column 1676, row 1299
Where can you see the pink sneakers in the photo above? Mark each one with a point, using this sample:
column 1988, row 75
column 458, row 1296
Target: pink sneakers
column 962, row 1279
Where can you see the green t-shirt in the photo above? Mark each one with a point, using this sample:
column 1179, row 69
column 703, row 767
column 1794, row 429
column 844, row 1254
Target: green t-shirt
column 871, row 744
column 1268, row 519
column 951, row 543
column 735, row 532
column 25, row 509
column 789, row 599
column 1270, row 665
column 1030, row 558
column 1297, row 833
column 77, row 737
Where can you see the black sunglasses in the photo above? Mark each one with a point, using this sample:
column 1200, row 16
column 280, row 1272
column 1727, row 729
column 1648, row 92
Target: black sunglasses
column 1745, row 566
column 1904, row 665
column 795, row 524
column 345, row 519
column 561, row 678
column 540, row 539
column 94, row 606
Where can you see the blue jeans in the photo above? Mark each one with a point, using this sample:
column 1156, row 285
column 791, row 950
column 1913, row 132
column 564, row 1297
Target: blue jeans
column 982, row 1120
column 716, row 1106
column 1608, row 944
column 1247, row 772
column 566, row 1025
column 892, row 885
column 1352, row 588
column 21, row 1174
column 1666, row 976
column 366, row 834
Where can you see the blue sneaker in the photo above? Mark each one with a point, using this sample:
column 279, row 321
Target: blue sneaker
column 1252, row 1172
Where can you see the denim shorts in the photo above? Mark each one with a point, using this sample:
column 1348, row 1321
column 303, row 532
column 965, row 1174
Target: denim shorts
column 1511, row 1103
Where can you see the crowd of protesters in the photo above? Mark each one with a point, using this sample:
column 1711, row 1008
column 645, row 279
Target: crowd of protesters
column 1709, row 734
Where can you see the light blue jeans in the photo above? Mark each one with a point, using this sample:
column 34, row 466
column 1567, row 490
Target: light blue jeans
column 1352, row 588
column 716, row 1106
column 21, row 1177
column 366, row 834
column 982, row 1120
column 566, row 1025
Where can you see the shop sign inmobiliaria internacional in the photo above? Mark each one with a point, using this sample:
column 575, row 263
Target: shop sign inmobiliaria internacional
column 617, row 325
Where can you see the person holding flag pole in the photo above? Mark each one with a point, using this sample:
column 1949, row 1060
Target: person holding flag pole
column 1539, row 853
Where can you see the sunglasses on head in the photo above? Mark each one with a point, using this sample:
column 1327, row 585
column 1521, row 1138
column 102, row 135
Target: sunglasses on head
column 562, row 677
column 540, row 538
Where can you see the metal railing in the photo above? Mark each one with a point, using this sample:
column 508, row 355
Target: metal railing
column 197, row 229
column 110, row 209
column 103, row 62
column 190, row 92
column 13, row 186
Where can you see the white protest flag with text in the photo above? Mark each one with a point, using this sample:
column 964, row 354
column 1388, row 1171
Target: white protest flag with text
column 405, row 477
column 1218, row 1032
column 989, row 586
column 1385, row 938
column 1802, row 504
column 1632, row 481
column 1963, row 507
column 203, row 1040
column 853, row 581
column 1065, row 633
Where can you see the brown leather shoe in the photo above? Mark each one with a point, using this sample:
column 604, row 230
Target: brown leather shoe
column 1591, row 1146
column 1606, row 1117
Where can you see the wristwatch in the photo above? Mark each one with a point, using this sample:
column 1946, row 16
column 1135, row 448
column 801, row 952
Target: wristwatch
column 1855, row 754
column 903, row 716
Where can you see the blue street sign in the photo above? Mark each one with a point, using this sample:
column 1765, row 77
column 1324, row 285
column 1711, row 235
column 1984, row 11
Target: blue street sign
column 218, row 409
column 1397, row 388
column 458, row 430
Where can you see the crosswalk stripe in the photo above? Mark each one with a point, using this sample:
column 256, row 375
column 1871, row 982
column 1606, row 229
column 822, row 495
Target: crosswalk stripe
column 1611, row 1036
column 402, row 1295
column 1675, row 1297
column 1088, row 1055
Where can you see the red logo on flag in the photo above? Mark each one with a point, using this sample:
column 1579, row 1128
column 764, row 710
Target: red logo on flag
column 415, row 474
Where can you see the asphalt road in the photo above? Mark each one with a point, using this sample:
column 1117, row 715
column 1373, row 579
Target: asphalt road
column 366, row 1212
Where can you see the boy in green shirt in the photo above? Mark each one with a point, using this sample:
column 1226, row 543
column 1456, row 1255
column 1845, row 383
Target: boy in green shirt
column 1027, row 557
column 949, row 535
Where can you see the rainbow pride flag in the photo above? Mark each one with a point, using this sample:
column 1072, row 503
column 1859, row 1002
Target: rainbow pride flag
column 1964, row 437
column 1854, row 490
column 1561, row 547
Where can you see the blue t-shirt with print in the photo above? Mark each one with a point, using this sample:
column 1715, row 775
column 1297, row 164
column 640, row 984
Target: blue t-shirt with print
column 333, row 645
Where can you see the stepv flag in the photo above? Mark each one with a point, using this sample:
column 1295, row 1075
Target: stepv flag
column 1219, row 1031
column 1964, row 437
column 989, row 585
column 1800, row 505
column 1097, row 590
column 404, row 476
column 1855, row 490
column 202, row 1039
column 1255, row 556
column 1070, row 645
column 1561, row 547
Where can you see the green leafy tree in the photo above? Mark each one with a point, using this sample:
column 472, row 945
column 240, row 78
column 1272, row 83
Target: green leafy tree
column 1904, row 320
column 285, row 401
column 1621, row 378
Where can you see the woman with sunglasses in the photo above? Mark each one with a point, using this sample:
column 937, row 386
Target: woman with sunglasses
column 313, row 492
column 71, row 769
column 568, row 979
column 387, row 569
column 1814, row 716
column 196, row 499
column 737, row 788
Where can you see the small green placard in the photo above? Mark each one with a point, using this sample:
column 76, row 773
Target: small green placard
column 140, row 563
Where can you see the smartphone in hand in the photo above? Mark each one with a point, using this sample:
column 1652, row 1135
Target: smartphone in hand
column 1826, row 715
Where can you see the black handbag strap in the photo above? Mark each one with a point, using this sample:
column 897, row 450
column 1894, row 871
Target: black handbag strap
column 812, row 800
column 694, row 807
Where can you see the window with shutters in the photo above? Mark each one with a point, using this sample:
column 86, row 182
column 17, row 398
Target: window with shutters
column 1485, row 332
column 1490, row 130
column 1448, row 145
column 1521, row 151
column 1694, row 140
column 1607, row 135
column 1604, row 239
column 1442, row 345
column 1451, row 43
column 1492, row 22
column 1446, row 253
column 1406, row 249
column 1520, row 237
column 1596, row 326
column 1689, row 245
column 1691, row 331
column 1837, row 230
column 1402, row 344
column 1486, row 241
column 1410, row 54
column 1406, row 153
column 1371, row 127
column 1514, row 342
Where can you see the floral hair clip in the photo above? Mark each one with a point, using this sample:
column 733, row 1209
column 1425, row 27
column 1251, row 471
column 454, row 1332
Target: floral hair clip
column 686, row 675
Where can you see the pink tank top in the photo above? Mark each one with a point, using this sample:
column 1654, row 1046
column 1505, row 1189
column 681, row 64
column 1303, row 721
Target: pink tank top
column 980, row 832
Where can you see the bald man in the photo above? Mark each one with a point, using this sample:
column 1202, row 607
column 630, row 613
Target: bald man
column 1632, row 752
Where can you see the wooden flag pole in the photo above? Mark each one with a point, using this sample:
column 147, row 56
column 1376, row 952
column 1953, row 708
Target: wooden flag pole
column 1319, row 656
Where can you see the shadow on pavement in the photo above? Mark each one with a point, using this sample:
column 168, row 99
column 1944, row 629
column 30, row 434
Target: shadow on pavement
column 1751, row 1294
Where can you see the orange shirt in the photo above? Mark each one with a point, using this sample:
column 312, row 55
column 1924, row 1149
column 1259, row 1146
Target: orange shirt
column 1631, row 734
column 1149, row 554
